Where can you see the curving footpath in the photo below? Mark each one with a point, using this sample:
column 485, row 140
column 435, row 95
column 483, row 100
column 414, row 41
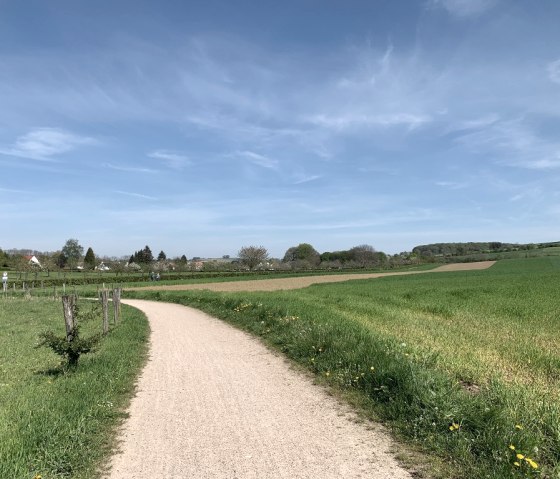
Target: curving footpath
column 213, row 402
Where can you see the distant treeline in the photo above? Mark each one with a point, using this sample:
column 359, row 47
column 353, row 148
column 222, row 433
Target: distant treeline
column 461, row 249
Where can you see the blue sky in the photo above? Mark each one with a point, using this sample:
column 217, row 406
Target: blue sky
column 199, row 127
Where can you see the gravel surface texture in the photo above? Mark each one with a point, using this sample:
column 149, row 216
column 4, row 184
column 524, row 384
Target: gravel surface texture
column 213, row 402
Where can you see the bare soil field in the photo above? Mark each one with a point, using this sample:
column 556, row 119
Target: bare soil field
column 305, row 281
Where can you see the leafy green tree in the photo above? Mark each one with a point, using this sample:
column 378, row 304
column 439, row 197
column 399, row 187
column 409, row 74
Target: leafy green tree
column 303, row 252
column 364, row 255
column 48, row 261
column 73, row 251
column 4, row 259
column 89, row 259
column 252, row 256
column 161, row 256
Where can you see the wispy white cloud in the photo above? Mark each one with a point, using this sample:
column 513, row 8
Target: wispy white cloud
column 452, row 185
column 130, row 169
column 258, row 159
column 514, row 143
column 476, row 123
column 345, row 121
column 553, row 69
column 306, row 179
column 9, row 190
column 135, row 195
column 172, row 159
column 464, row 8
column 45, row 144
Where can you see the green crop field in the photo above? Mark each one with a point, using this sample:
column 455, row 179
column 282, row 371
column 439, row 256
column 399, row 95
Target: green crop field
column 464, row 365
column 56, row 423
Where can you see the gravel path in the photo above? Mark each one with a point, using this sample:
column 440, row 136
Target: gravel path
column 304, row 281
column 213, row 402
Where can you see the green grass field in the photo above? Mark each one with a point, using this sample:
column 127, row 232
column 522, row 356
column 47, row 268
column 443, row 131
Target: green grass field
column 463, row 365
column 57, row 424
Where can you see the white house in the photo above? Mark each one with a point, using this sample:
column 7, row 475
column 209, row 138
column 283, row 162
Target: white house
column 33, row 261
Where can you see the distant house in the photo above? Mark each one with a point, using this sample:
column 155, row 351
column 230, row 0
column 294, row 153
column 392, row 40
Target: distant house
column 33, row 261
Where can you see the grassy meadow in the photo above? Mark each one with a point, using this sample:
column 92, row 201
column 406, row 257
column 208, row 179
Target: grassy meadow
column 463, row 366
column 56, row 423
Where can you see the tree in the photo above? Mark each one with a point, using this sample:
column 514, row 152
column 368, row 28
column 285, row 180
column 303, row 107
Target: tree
column 183, row 259
column 4, row 259
column 60, row 259
column 89, row 259
column 73, row 252
column 147, row 256
column 48, row 261
column 161, row 256
column 363, row 254
column 252, row 256
column 303, row 252
column 143, row 256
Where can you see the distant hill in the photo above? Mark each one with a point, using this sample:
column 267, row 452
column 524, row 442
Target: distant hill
column 463, row 249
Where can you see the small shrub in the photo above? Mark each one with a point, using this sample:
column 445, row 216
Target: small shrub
column 70, row 347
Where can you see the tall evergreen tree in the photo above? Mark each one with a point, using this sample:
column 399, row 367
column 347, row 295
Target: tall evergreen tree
column 161, row 256
column 147, row 255
column 89, row 259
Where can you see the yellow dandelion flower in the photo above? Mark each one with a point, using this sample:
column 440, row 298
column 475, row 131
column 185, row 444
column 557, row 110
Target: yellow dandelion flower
column 516, row 464
column 520, row 456
column 532, row 463
column 512, row 447
column 328, row 373
column 518, row 427
column 372, row 368
column 454, row 427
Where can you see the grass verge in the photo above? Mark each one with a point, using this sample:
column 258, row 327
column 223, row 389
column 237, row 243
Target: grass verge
column 464, row 366
column 55, row 423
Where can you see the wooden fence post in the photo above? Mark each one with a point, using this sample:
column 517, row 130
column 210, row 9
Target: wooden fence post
column 105, row 305
column 68, row 307
column 116, row 304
